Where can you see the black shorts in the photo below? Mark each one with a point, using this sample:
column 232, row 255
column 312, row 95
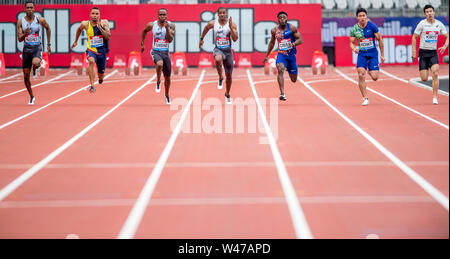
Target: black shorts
column 167, row 64
column 29, row 53
column 227, row 58
column 427, row 58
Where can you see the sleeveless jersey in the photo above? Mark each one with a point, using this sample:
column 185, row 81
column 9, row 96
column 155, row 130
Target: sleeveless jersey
column 222, row 35
column 34, row 37
column 160, row 43
column 284, row 39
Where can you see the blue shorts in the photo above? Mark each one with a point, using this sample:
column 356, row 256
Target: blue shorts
column 290, row 63
column 368, row 60
column 100, row 60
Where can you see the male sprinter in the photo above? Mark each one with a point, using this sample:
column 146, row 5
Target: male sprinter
column 29, row 30
column 288, row 38
column 163, row 33
column 366, row 32
column 98, row 34
column 428, row 29
column 224, row 29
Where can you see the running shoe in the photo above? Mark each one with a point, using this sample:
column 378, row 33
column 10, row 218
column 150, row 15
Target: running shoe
column 228, row 99
column 158, row 87
column 365, row 102
column 100, row 81
column 283, row 97
column 92, row 89
column 435, row 101
column 34, row 73
column 32, row 99
column 168, row 100
column 220, row 84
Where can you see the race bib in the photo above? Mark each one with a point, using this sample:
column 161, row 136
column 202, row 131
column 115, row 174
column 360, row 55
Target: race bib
column 431, row 36
column 161, row 45
column 32, row 39
column 223, row 43
column 284, row 44
column 96, row 41
column 366, row 44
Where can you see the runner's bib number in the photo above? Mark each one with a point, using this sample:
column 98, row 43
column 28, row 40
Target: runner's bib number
column 431, row 36
column 32, row 39
column 284, row 44
column 223, row 43
column 366, row 44
column 161, row 45
column 96, row 41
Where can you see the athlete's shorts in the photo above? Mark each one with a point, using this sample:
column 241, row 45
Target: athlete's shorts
column 368, row 61
column 29, row 53
column 100, row 60
column 427, row 58
column 164, row 56
column 290, row 63
column 227, row 57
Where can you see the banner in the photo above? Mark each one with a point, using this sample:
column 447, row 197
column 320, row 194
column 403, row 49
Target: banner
column 389, row 26
column 254, row 23
column 397, row 51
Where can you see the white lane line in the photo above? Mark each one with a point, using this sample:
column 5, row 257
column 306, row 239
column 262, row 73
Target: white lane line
column 137, row 212
column 228, row 164
column 300, row 224
column 396, row 102
column 10, row 77
column 212, row 201
column 33, row 86
column 4, row 192
column 424, row 184
column 47, row 105
column 393, row 76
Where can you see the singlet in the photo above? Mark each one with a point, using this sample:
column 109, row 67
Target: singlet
column 96, row 43
column 365, row 37
column 160, row 43
column 34, row 37
column 429, row 33
column 284, row 38
column 222, row 35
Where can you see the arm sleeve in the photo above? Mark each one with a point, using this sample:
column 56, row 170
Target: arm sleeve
column 418, row 29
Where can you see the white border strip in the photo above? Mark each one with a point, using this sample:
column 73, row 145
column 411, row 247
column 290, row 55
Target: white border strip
column 4, row 192
column 10, row 77
column 424, row 184
column 47, row 105
column 300, row 224
column 137, row 212
column 43, row 83
column 394, row 101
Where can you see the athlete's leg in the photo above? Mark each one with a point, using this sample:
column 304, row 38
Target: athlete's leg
column 26, row 79
column 228, row 82
column 159, row 68
column 424, row 75
column 280, row 77
column 91, row 71
column 36, row 63
column 435, row 75
column 362, row 81
column 219, row 61
column 167, row 84
column 374, row 74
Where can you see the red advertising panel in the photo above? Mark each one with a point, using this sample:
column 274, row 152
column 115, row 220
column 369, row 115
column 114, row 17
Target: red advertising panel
column 254, row 23
column 397, row 50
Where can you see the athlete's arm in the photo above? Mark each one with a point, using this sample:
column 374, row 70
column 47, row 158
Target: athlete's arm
column 44, row 24
column 443, row 48
column 20, row 34
column 413, row 45
column 106, row 32
column 208, row 27
column 147, row 28
column 297, row 36
column 352, row 45
column 271, row 45
column 80, row 29
column 233, row 30
column 381, row 43
column 170, row 32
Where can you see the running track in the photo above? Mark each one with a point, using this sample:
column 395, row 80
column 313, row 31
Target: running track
column 108, row 165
